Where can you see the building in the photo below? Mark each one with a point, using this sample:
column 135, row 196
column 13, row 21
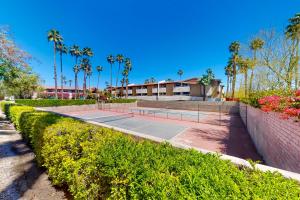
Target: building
column 189, row 89
column 68, row 92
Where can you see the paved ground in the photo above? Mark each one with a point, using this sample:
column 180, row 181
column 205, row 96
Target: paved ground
column 20, row 178
column 220, row 133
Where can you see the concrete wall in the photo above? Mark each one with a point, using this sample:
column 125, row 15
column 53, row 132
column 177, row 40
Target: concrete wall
column 225, row 107
column 276, row 139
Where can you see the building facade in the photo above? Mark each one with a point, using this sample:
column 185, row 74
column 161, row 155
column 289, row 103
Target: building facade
column 189, row 89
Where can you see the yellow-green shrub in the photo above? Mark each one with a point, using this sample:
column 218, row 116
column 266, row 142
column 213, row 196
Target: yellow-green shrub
column 100, row 163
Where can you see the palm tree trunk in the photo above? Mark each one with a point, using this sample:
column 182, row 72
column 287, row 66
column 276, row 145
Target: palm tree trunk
column 233, row 80
column 126, row 90
column 98, row 82
column 110, row 78
column 297, row 65
column 251, row 80
column 89, row 82
column 118, row 74
column 84, row 83
column 227, row 85
column 55, row 75
column 246, row 83
column 75, row 85
column 61, row 77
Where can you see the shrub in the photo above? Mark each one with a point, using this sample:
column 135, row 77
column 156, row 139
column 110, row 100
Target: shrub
column 54, row 102
column 5, row 107
column 101, row 163
column 121, row 100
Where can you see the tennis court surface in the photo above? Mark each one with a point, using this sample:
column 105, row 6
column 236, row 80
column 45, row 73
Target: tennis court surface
column 225, row 134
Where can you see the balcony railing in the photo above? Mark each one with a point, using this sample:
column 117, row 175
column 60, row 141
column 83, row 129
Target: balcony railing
column 181, row 89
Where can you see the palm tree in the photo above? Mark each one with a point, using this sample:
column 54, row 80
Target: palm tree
column 234, row 50
column 152, row 80
column 64, row 80
column 99, row 70
column 255, row 45
column 127, row 69
column 85, row 65
column 169, row 80
column 70, row 83
column 244, row 65
column 293, row 32
column 55, row 37
column 76, row 52
column 111, row 61
column 87, row 53
column 89, row 74
column 228, row 73
column 76, row 69
column 180, row 73
column 147, row 81
column 205, row 80
column 120, row 60
column 62, row 49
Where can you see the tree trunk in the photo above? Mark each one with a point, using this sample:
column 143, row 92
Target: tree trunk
column 246, row 83
column 118, row 75
column 98, row 82
column 84, row 83
column 251, row 80
column 55, row 75
column 111, row 78
column 75, row 85
column 233, row 80
column 126, row 90
column 61, row 77
column 227, row 85
column 297, row 65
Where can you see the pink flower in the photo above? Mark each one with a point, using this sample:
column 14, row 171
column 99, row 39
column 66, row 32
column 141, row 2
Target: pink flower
column 297, row 93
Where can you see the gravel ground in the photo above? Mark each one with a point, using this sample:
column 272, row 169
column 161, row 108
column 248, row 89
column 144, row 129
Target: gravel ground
column 20, row 178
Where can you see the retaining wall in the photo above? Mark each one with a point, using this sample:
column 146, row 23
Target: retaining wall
column 276, row 139
column 225, row 107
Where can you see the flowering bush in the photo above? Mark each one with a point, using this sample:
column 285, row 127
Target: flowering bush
column 289, row 106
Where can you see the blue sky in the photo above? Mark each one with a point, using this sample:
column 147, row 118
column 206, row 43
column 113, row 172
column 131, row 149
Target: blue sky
column 160, row 36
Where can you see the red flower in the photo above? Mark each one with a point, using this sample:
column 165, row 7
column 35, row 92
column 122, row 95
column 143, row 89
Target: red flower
column 297, row 93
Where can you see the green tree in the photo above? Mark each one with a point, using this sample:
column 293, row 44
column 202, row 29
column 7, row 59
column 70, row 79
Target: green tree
column 152, row 80
column 255, row 45
column 180, row 73
column 234, row 48
column 228, row 73
column 147, row 81
column 99, row 70
column 61, row 49
column 293, row 32
column 244, row 65
column 120, row 60
column 86, row 65
column 55, row 37
column 76, row 70
column 205, row 80
column 126, row 71
column 89, row 74
column 169, row 80
column 111, row 61
column 77, row 53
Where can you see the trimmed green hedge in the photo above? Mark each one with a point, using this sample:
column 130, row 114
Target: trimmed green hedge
column 4, row 105
column 101, row 163
column 54, row 102
column 121, row 101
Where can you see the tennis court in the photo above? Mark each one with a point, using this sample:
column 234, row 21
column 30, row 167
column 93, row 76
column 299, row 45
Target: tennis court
column 212, row 131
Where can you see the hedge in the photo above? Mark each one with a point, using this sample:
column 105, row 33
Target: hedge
column 54, row 102
column 121, row 101
column 101, row 163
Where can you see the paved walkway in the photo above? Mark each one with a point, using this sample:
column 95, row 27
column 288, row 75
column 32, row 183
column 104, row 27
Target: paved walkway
column 20, row 178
